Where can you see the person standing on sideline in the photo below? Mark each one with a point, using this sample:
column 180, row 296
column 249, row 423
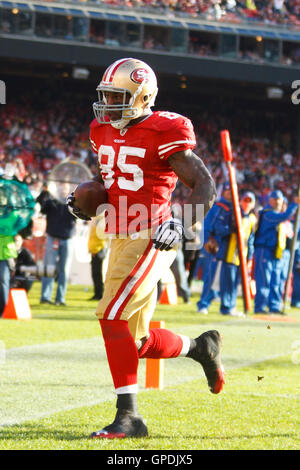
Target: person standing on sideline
column 141, row 154
column 59, row 247
column 97, row 249
column 287, row 233
column 8, row 255
column 295, row 300
column 25, row 258
column 213, row 234
column 270, row 240
column 230, row 276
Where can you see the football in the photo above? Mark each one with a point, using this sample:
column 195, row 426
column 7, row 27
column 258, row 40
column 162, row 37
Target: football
column 89, row 196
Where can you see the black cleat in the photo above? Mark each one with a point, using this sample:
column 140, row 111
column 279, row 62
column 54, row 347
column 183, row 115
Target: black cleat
column 126, row 424
column 207, row 353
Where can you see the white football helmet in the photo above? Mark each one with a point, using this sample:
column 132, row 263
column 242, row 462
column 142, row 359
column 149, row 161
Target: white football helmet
column 131, row 76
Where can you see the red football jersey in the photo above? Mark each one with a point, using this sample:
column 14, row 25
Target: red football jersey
column 135, row 169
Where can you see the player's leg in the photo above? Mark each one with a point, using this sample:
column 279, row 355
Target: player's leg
column 164, row 344
column 129, row 264
column 123, row 359
column 131, row 301
column 161, row 343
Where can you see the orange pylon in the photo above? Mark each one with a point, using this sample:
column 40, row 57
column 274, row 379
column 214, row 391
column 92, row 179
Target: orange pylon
column 155, row 367
column 169, row 295
column 17, row 307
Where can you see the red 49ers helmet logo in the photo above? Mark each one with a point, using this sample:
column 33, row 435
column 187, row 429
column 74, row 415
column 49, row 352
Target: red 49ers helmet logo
column 139, row 75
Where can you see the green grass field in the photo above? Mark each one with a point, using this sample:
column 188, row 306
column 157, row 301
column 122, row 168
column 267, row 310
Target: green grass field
column 55, row 385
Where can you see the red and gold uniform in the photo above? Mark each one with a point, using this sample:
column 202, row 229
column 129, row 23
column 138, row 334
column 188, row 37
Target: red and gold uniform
column 135, row 169
column 134, row 166
column 133, row 146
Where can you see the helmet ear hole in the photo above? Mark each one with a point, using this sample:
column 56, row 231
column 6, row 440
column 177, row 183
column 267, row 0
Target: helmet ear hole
column 146, row 98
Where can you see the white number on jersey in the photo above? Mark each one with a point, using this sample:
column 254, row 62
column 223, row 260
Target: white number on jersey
column 169, row 115
column 131, row 168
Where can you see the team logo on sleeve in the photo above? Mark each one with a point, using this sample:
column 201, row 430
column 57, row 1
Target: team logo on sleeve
column 139, row 75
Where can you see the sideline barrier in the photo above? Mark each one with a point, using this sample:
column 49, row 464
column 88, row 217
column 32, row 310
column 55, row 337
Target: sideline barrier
column 17, row 307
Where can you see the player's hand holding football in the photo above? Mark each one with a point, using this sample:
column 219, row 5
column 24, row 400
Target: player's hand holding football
column 75, row 210
column 168, row 234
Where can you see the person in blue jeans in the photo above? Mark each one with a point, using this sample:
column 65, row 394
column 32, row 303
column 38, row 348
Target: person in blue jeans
column 219, row 215
column 5, row 275
column 60, row 230
column 270, row 242
column 295, row 300
column 285, row 258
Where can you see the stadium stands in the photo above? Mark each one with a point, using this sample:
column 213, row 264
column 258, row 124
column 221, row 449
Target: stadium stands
column 260, row 32
column 276, row 12
column 40, row 135
column 264, row 32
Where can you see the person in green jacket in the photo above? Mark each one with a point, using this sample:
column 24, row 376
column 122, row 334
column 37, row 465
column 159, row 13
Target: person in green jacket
column 8, row 252
column 16, row 210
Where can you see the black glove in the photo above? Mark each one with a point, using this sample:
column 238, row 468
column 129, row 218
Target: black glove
column 75, row 211
column 168, row 234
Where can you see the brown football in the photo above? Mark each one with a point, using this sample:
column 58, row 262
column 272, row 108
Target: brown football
column 89, row 196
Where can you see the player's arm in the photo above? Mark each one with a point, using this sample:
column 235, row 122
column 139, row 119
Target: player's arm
column 191, row 170
column 193, row 173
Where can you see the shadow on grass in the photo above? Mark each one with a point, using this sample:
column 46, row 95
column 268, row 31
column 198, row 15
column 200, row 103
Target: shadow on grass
column 31, row 432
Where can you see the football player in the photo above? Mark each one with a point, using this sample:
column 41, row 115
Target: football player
column 141, row 154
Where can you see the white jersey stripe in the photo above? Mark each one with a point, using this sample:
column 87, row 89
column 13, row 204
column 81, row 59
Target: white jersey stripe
column 186, row 141
column 167, row 150
column 131, row 283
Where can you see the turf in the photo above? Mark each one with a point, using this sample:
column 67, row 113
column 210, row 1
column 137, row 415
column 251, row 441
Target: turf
column 56, row 386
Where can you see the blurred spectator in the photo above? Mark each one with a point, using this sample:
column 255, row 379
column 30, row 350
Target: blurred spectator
column 97, row 248
column 217, row 226
column 270, row 12
column 40, row 129
column 19, row 278
column 270, row 242
column 295, row 300
column 59, row 247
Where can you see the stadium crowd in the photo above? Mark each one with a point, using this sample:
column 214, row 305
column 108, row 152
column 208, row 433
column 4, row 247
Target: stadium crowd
column 282, row 12
column 35, row 140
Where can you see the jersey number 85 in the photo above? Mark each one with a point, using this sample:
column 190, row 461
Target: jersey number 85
column 130, row 168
